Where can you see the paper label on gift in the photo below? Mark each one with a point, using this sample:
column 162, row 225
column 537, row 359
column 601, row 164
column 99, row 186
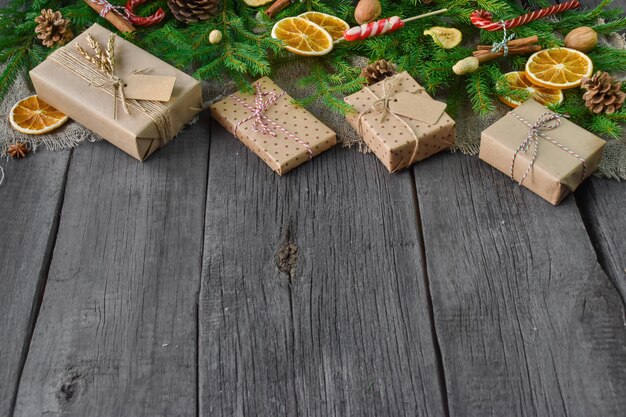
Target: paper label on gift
column 149, row 87
column 417, row 106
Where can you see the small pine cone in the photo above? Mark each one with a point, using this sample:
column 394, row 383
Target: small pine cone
column 603, row 94
column 378, row 71
column 52, row 28
column 192, row 11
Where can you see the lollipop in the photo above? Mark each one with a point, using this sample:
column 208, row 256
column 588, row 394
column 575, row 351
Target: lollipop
column 380, row 27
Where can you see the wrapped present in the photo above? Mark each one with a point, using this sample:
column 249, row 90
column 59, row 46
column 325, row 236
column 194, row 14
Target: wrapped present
column 134, row 100
column 281, row 133
column 400, row 122
column 541, row 150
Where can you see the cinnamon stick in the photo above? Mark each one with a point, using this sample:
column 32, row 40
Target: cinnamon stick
column 113, row 17
column 515, row 42
column 276, row 7
column 484, row 56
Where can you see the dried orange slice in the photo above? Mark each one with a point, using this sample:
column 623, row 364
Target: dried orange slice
column 330, row 24
column 302, row 37
column 517, row 80
column 34, row 116
column 558, row 68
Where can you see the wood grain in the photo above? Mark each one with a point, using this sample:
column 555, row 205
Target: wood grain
column 313, row 301
column 602, row 203
column 30, row 198
column 116, row 334
column 528, row 322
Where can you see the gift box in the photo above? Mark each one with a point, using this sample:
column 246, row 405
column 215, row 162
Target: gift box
column 400, row 122
column 541, row 150
column 283, row 134
column 78, row 88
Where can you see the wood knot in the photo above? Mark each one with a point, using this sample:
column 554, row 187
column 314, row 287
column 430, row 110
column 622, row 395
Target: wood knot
column 287, row 257
column 71, row 386
column 287, row 254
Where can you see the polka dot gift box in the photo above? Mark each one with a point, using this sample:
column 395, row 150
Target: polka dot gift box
column 400, row 122
column 281, row 133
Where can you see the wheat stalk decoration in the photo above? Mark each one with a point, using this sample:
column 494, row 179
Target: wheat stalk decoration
column 104, row 61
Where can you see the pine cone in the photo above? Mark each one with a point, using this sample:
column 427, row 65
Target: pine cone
column 191, row 11
column 603, row 94
column 52, row 28
column 378, row 71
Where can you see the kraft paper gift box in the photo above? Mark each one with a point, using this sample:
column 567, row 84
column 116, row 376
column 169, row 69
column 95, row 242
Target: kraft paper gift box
column 283, row 134
column 409, row 127
column 566, row 153
column 88, row 96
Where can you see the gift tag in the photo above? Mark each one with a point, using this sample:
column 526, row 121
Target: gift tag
column 149, row 87
column 418, row 106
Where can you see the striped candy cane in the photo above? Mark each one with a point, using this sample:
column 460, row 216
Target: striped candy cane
column 368, row 30
column 484, row 19
column 128, row 12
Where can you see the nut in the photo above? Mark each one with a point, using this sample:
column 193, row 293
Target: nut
column 466, row 66
column 583, row 39
column 367, row 11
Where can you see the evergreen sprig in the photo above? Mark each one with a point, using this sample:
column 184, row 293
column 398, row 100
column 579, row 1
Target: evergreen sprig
column 247, row 50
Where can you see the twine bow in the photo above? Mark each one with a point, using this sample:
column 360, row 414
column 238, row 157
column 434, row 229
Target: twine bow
column 263, row 101
column 547, row 121
column 98, row 71
column 104, row 61
column 502, row 45
column 118, row 87
column 381, row 105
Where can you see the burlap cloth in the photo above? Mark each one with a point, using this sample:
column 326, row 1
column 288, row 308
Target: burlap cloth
column 469, row 126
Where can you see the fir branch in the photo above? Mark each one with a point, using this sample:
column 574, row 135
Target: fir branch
column 479, row 91
column 605, row 126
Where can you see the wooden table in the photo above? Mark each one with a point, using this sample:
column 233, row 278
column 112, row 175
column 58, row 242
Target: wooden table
column 200, row 283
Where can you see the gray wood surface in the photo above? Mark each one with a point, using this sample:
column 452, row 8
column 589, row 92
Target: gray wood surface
column 30, row 199
column 116, row 334
column 313, row 298
column 527, row 321
column 602, row 204
column 127, row 289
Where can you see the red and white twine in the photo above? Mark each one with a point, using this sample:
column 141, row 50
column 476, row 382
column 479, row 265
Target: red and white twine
column 127, row 12
column 262, row 101
column 532, row 138
column 484, row 19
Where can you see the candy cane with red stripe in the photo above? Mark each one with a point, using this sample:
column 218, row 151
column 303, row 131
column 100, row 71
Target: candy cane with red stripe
column 139, row 20
column 484, row 19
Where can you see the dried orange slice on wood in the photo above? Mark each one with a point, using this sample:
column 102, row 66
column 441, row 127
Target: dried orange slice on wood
column 329, row 23
column 34, row 116
column 558, row 68
column 303, row 37
column 517, row 80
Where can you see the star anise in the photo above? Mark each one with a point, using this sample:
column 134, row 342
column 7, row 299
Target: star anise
column 18, row 150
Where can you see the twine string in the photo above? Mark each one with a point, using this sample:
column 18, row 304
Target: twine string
column 158, row 112
column 381, row 106
column 262, row 123
column 108, row 7
column 502, row 45
column 547, row 121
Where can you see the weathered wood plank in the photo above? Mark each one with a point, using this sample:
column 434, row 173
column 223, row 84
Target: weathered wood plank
column 30, row 199
column 116, row 334
column 527, row 321
column 602, row 205
column 313, row 301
